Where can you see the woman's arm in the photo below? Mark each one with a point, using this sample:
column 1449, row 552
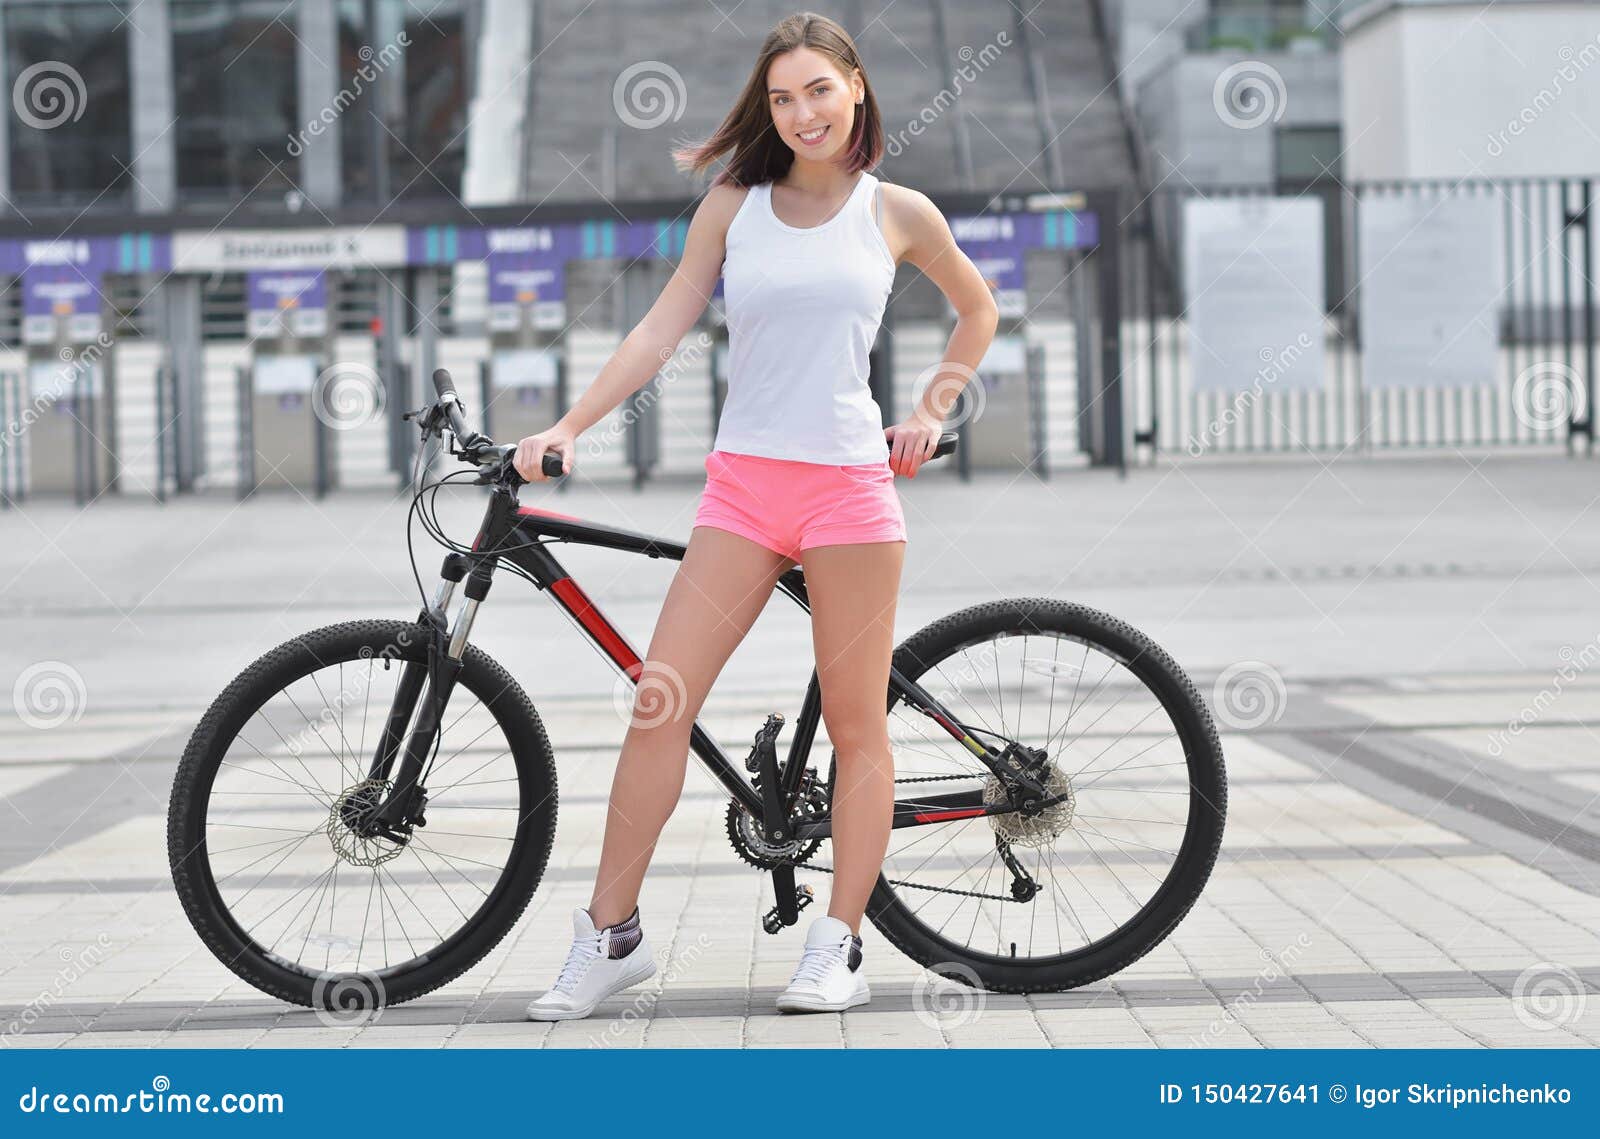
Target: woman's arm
column 653, row 340
column 925, row 240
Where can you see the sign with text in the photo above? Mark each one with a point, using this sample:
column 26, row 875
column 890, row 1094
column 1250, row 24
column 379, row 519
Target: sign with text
column 335, row 247
column 1253, row 293
column 1430, row 294
column 60, row 303
column 286, row 303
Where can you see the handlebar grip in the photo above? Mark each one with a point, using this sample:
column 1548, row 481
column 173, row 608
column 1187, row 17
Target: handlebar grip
column 443, row 384
column 551, row 464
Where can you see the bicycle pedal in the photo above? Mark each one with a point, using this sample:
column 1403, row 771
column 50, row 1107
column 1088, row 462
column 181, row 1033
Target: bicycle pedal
column 773, row 921
column 766, row 737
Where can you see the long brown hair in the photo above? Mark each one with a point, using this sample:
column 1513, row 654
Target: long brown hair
column 759, row 154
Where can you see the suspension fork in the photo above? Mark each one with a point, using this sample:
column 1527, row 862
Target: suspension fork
column 404, row 703
column 439, row 672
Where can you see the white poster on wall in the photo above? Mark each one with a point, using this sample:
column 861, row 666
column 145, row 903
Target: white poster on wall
column 1006, row 354
column 1253, row 281
column 526, row 367
column 285, row 375
column 1430, row 291
column 54, row 380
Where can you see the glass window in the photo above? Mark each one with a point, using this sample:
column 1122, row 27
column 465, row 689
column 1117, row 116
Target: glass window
column 71, row 133
column 434, row 154
column 1307, row 154
column 359, row 126
column 234, row 70
column 404, row 65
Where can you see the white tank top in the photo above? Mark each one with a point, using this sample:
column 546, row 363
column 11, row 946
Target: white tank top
column 803, row 309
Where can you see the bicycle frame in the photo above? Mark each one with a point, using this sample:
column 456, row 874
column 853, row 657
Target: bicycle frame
column 522, row 535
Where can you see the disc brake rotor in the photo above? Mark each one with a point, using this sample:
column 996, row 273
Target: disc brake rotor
column 1019, row 829
column 350, row 811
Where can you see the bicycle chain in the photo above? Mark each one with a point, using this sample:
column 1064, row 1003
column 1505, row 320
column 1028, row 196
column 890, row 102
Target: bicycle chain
column 919, row 885
column 936, row 778
column 916, row 885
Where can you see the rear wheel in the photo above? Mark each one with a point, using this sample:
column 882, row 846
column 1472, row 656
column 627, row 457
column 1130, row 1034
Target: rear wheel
column 264, row 833
column 1082, row 889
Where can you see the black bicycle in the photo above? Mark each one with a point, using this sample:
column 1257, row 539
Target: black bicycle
column 366, row 810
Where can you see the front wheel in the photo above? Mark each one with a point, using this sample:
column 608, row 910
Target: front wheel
column 1070, row 895
column 266, row 838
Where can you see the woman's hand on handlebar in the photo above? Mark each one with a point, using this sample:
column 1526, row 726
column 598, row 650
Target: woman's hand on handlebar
column 911, row 443
column 530, row 452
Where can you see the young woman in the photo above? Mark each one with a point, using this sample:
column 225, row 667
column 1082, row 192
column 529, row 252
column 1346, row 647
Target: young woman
column 806, row 241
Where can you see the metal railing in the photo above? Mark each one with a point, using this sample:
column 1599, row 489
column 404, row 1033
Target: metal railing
column 1540, row 371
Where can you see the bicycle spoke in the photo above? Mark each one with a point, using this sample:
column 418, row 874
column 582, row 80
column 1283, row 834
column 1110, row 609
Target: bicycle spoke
column 296, row 822
column 1106, row 722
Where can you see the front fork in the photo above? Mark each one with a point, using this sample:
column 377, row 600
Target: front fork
column 431, row 681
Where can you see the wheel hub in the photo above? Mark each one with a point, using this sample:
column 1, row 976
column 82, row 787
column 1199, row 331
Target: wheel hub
column 1018, row 828
column 348, row 825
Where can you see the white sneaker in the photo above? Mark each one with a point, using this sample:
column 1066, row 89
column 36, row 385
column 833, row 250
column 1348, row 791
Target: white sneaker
column 830, row 977
column 589, row 976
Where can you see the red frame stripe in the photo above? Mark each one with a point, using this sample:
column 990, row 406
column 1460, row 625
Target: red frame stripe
column 956, row 813
column 539, row 512
column 611, row 641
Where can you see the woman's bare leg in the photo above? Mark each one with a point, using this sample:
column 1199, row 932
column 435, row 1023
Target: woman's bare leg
column 854, row 590
column 720, row 589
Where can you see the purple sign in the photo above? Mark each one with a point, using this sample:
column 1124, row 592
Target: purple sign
column 272, row 291
column 998, row 245
column 283, row 301
column 527, row 270
column 528, row 266
column 60, row 290
column 127, row 253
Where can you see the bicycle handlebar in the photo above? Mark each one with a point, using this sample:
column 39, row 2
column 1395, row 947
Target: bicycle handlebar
column 483, row 450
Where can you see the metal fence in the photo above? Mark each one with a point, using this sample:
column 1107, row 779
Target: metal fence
column 1543, row 316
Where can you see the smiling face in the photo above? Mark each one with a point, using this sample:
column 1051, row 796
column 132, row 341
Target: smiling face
column 813, row 105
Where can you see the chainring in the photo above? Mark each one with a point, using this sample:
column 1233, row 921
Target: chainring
column 744, row 833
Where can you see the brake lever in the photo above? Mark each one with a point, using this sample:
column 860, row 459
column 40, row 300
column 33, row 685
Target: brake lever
column 506, row 469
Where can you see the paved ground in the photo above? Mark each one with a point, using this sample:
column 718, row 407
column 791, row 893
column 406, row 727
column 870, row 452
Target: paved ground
column 1402, row 866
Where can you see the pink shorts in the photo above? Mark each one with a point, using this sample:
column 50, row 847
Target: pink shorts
column 789, row 506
